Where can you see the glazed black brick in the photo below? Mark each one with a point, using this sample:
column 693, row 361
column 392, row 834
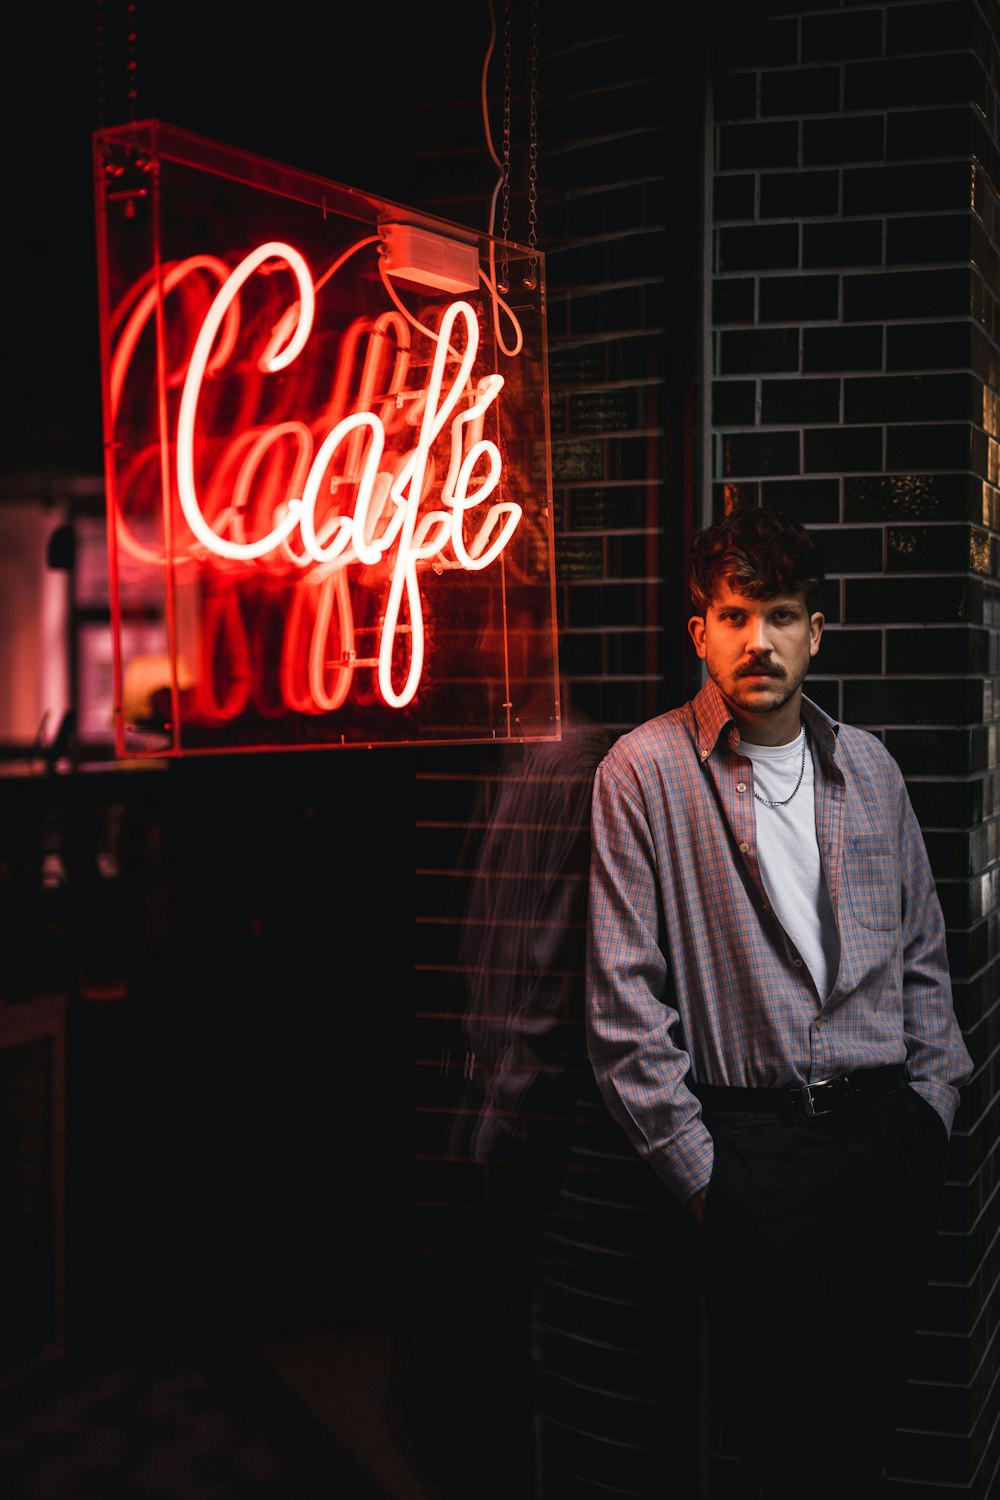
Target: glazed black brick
column 916, row 81
column 581, row 655
column 576, row 459
column 607, row 163
column 761, row 247
column 579, row 557
column 607, row 410
column 920, row 28
column 734, row 403
column 750, row 40
column 837, row 141
column 733, row 197
column 939, row 650
column 908, row 294
column 841, row 36
column 630, row 556
column 894, row 189
column 773, row 144
column 841, row 245
column 586, row 696
column 897, row 497
column 609, row 201
column 811, row 501
column 627, row 458
column 910, row 398
column 582, row 364
column 851, row 549
column 787, row 195
column 927, row 549
column 605, row 312
column 792, row 299
column 826, row 694
column 936, row 237
column 841, row 349
column 929, row 446
column 946, row 751
column 628, row 654
column 917, row 133
column 788, row 401
column 603, row 509
column 738, row 99
column 842, row 449
column 624, row 702
column 758, row 351
column 800, row 91
column 733, row 300
column 837, row 38
column 929, row 701
column 850, row 652
column 606, row 604
column 898, row 601
column 929, row 346
column 760, row 453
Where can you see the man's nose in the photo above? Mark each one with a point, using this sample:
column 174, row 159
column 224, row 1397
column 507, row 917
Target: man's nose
column 758, row 637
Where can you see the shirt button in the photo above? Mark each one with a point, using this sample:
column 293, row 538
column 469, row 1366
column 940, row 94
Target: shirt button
column 704, row 753
column 741, row 786
column 797, row 962
column 765, row 907
column 744, row 848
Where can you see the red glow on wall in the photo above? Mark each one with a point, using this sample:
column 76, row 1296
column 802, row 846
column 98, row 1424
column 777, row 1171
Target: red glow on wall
column 327, row 462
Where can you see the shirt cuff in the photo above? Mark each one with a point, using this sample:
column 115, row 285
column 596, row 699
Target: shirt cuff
column 686, row 1164
column 941, row 1097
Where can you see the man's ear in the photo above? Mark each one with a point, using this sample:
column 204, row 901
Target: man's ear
column 816, row 623
column 696, row 630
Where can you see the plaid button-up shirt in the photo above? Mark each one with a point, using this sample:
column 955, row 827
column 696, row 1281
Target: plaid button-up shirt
column 689, row 968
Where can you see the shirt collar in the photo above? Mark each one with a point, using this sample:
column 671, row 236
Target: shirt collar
column 712, row 716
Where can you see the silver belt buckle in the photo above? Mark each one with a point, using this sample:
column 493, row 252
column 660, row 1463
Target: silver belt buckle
column 807, row 1098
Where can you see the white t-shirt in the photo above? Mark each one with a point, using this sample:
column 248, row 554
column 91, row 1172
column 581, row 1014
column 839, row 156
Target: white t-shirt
column 788, row 853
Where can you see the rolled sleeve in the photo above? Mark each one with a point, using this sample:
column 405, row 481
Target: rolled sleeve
column 938, row 1061
column 639, row 1068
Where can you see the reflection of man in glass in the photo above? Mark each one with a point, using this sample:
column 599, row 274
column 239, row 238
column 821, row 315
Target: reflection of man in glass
column 525, row 1071
column 523, row 944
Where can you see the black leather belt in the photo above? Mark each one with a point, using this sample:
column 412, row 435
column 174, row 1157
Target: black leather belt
column 842, row 1094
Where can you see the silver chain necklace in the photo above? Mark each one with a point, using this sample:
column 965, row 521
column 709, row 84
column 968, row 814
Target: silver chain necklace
column 802, row 772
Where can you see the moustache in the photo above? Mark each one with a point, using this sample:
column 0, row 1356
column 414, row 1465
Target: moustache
column 761, row 669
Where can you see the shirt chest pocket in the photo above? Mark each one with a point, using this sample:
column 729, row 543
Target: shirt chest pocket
column 871, row 878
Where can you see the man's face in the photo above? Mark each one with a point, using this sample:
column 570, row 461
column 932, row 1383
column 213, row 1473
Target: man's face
column 757, row 651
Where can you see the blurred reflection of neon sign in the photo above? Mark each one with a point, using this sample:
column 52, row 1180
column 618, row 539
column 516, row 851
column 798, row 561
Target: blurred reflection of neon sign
column 311, row 466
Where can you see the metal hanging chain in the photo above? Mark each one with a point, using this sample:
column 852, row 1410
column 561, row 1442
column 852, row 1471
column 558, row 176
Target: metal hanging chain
column 131, row 60
column 504, row 283
column 102, row 95
column 531, row 280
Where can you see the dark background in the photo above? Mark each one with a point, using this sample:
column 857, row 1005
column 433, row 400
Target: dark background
column 330, row 90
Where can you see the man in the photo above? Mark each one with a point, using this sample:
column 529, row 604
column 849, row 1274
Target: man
column 770, row 1019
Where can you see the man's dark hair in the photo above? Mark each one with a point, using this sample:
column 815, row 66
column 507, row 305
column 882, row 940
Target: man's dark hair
column 759, row 553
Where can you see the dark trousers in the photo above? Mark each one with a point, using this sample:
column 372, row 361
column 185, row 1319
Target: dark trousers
column 817, row 1240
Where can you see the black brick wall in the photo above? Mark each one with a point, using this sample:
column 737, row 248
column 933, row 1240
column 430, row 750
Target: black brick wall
column 854, row 376
column 839, row 224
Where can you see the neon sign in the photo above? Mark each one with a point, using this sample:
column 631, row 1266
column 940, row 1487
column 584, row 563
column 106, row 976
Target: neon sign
column 328, row 478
